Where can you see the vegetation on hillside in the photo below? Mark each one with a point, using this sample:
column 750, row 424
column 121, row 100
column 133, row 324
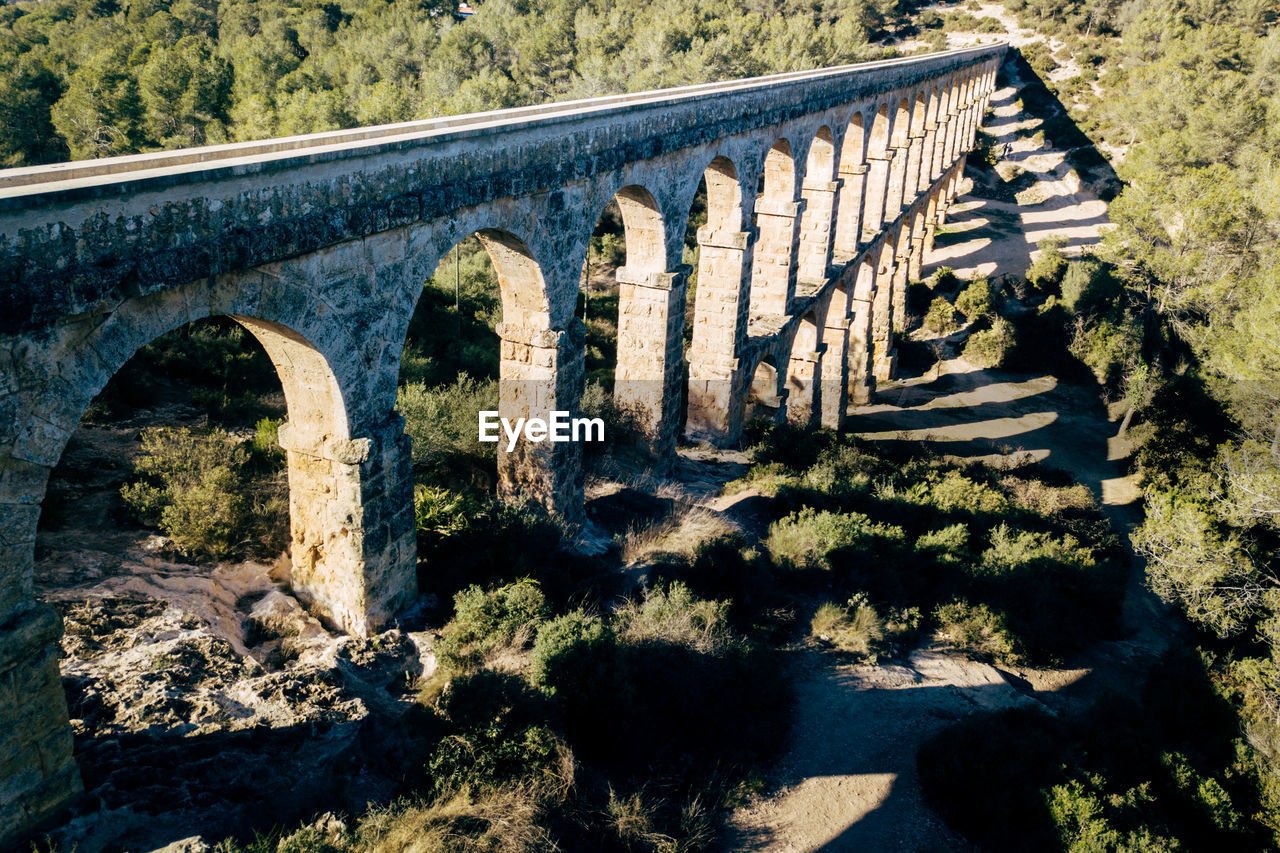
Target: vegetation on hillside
column 92, row 78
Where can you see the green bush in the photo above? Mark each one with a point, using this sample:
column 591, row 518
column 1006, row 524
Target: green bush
column 485, row 623
column 443, row 425
column 1109, row 349
column 977, row 300
column 498, row 733
column 1089, row 287
column 1046, row 271
column 943, row 280
column 675, row 615
column 208, row 493
column 949, row 544
column 438, row 512
column 808, row 539
column 990, row 348
column 941, row 317
column 952, row 491
column 859, row 628
column 586, row 640
column 978, row 630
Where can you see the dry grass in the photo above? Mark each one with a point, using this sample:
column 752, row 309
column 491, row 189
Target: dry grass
column 505, row 821
column 679, row 532
column 1039, row 498
column 856, row 629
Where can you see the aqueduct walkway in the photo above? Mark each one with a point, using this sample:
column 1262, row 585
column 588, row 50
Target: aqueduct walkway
column 824, row 189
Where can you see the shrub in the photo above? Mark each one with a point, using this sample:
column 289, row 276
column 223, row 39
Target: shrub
column 976, row 300
column 978, row 630
column 487, row 623
column 266, row 439
column 198, row 488
column 850, row 628
column 941, row 317
column 442, row 426
column 440, row 512
column 1108, row 349
column 1046, row 271
column 675, row 615
column 492, row 542
column 952, row 491
column 943, row 280
column 574, row 645
column 990, row 348
column 498, row 734
column 808, row 539
column 840, row 474
column 919, row 296
column 1089, row 288
column 949, row 544
column 1043, row 499
column 622, row 427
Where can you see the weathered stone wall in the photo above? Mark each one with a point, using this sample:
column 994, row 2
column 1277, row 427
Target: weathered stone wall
column 319, row 246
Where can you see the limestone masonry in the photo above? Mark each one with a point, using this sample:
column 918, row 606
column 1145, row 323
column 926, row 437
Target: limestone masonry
column 824, row 191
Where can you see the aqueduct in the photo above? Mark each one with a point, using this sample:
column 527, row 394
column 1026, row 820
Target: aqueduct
column 824, row 190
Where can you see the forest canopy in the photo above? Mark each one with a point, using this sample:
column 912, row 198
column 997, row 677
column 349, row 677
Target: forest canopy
column 97, row 78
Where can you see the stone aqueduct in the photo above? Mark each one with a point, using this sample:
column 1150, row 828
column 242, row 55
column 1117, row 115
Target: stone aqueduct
column 824, row 190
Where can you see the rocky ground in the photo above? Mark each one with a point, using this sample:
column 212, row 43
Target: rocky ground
column 203, row 699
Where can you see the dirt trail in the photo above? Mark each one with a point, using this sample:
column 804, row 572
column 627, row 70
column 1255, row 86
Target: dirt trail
column 848, row 778
column 1034, row 192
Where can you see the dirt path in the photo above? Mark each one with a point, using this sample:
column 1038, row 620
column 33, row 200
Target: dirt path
column 1034, row 192
column 848, row 779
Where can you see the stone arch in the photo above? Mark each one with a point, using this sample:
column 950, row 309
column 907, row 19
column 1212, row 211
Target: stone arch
column 650, row 322
column 900, row 146
column 804, row 370
column 852, row 174
column 819, row 192
column 879, row 158
column 765, row 395
column 539, row 366
column 352, row 547
column 773, row 271
column 720, row 307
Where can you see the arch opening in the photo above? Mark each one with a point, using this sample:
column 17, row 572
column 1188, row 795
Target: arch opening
column 777, row 220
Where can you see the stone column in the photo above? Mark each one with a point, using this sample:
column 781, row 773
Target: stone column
column 900, row 281
column 915, row 164
column 773, row 272
column 882, row 318
column 804, row 372
column 848, row 235
column 38, row 773
column 862, row 377
column 542, row 372
column 821, row 206
column 932, row 218
column 354, row 546
column 897, row 184
column 926, row 176
column 834, row 393
column 877, row 193
column 720, row 316
column 916, row 262
column 954, row 120
column 651, row 353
